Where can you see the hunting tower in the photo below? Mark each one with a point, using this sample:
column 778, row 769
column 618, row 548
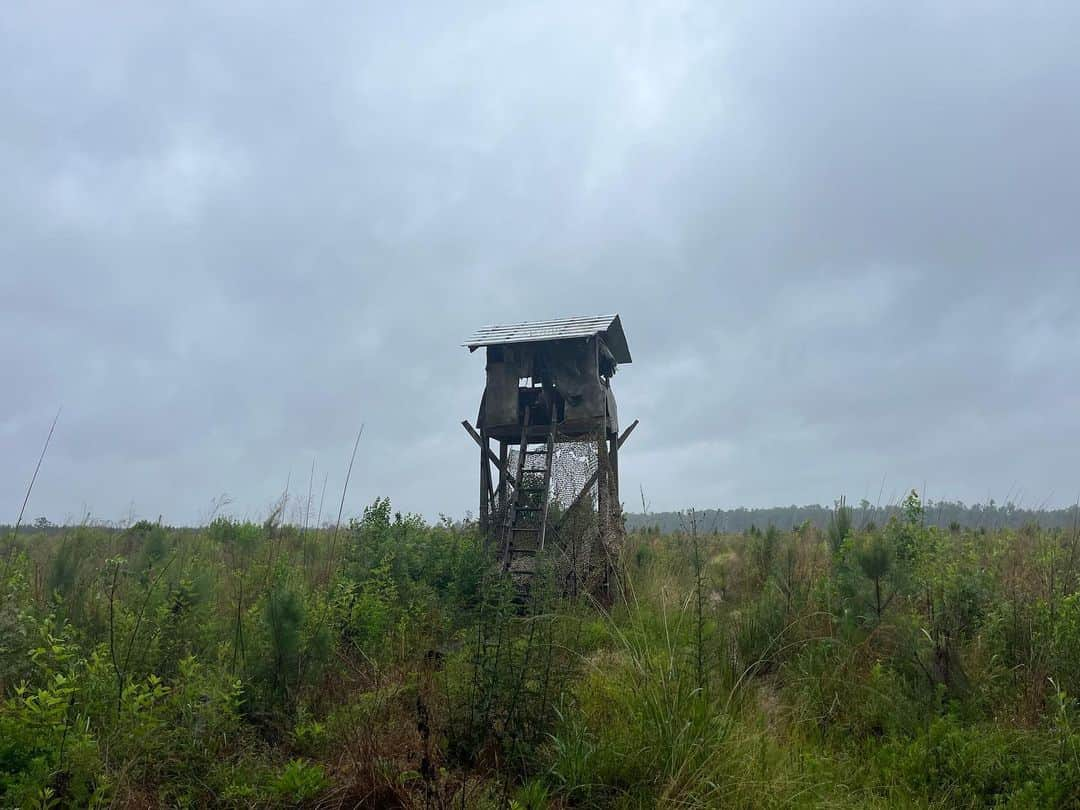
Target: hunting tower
column 549, row 405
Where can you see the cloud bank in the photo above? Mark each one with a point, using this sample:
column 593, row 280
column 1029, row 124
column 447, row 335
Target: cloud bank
column 843, row 242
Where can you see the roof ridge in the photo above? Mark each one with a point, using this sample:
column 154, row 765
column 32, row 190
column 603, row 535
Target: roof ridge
column 565, row 328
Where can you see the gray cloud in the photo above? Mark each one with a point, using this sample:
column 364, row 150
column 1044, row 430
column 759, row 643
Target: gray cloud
column 843, row 244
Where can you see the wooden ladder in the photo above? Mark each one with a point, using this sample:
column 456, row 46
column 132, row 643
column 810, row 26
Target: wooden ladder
column 525, row 526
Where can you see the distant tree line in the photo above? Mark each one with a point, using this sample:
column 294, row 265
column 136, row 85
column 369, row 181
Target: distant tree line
column 943, row 514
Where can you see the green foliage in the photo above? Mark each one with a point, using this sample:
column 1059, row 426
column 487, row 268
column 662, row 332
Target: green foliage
column 16, row 623
column 366, row 610
column 507, row 678
column 757, row 633
column 300, row 781
column 1064, row 643
column 874, row 554
column 531, row 796
column 47, row 757
column 980, row 766
column 839, row 525
column 389, row 664
column 763, row 546
column 283, row 615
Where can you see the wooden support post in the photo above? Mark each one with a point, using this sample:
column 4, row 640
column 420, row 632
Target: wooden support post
column 603, row 503
column 485, row 485
column 603, row 494
column 504, row 479
column 490, row 494
column 613, row 455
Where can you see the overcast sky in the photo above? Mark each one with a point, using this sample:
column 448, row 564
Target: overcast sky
column 844, row 242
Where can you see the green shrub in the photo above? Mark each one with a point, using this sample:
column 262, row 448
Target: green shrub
column 300, row 781
column 980, row 766
column 47, row 754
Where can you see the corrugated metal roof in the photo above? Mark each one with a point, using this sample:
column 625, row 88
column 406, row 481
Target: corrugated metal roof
column 609, row 326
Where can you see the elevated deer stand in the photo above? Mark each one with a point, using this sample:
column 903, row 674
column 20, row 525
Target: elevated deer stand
column 548, row 403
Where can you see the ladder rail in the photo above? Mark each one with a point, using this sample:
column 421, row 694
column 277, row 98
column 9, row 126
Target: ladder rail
column 520, row 504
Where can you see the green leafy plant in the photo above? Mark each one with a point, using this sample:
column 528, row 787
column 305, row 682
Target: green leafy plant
column 300, row 781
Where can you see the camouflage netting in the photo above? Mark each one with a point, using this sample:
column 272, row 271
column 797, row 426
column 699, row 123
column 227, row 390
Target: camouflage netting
column 573, row 463
column 583, row 560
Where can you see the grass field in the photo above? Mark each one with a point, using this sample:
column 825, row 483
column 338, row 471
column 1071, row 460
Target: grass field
column 385, row 665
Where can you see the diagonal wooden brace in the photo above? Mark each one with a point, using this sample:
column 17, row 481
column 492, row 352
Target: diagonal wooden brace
column 592, row 478
column 491, row 456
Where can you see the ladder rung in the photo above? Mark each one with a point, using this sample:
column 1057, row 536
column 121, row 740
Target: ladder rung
column 518, row 550
column 536, row 452
column 524, row 528
column 530, row 509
